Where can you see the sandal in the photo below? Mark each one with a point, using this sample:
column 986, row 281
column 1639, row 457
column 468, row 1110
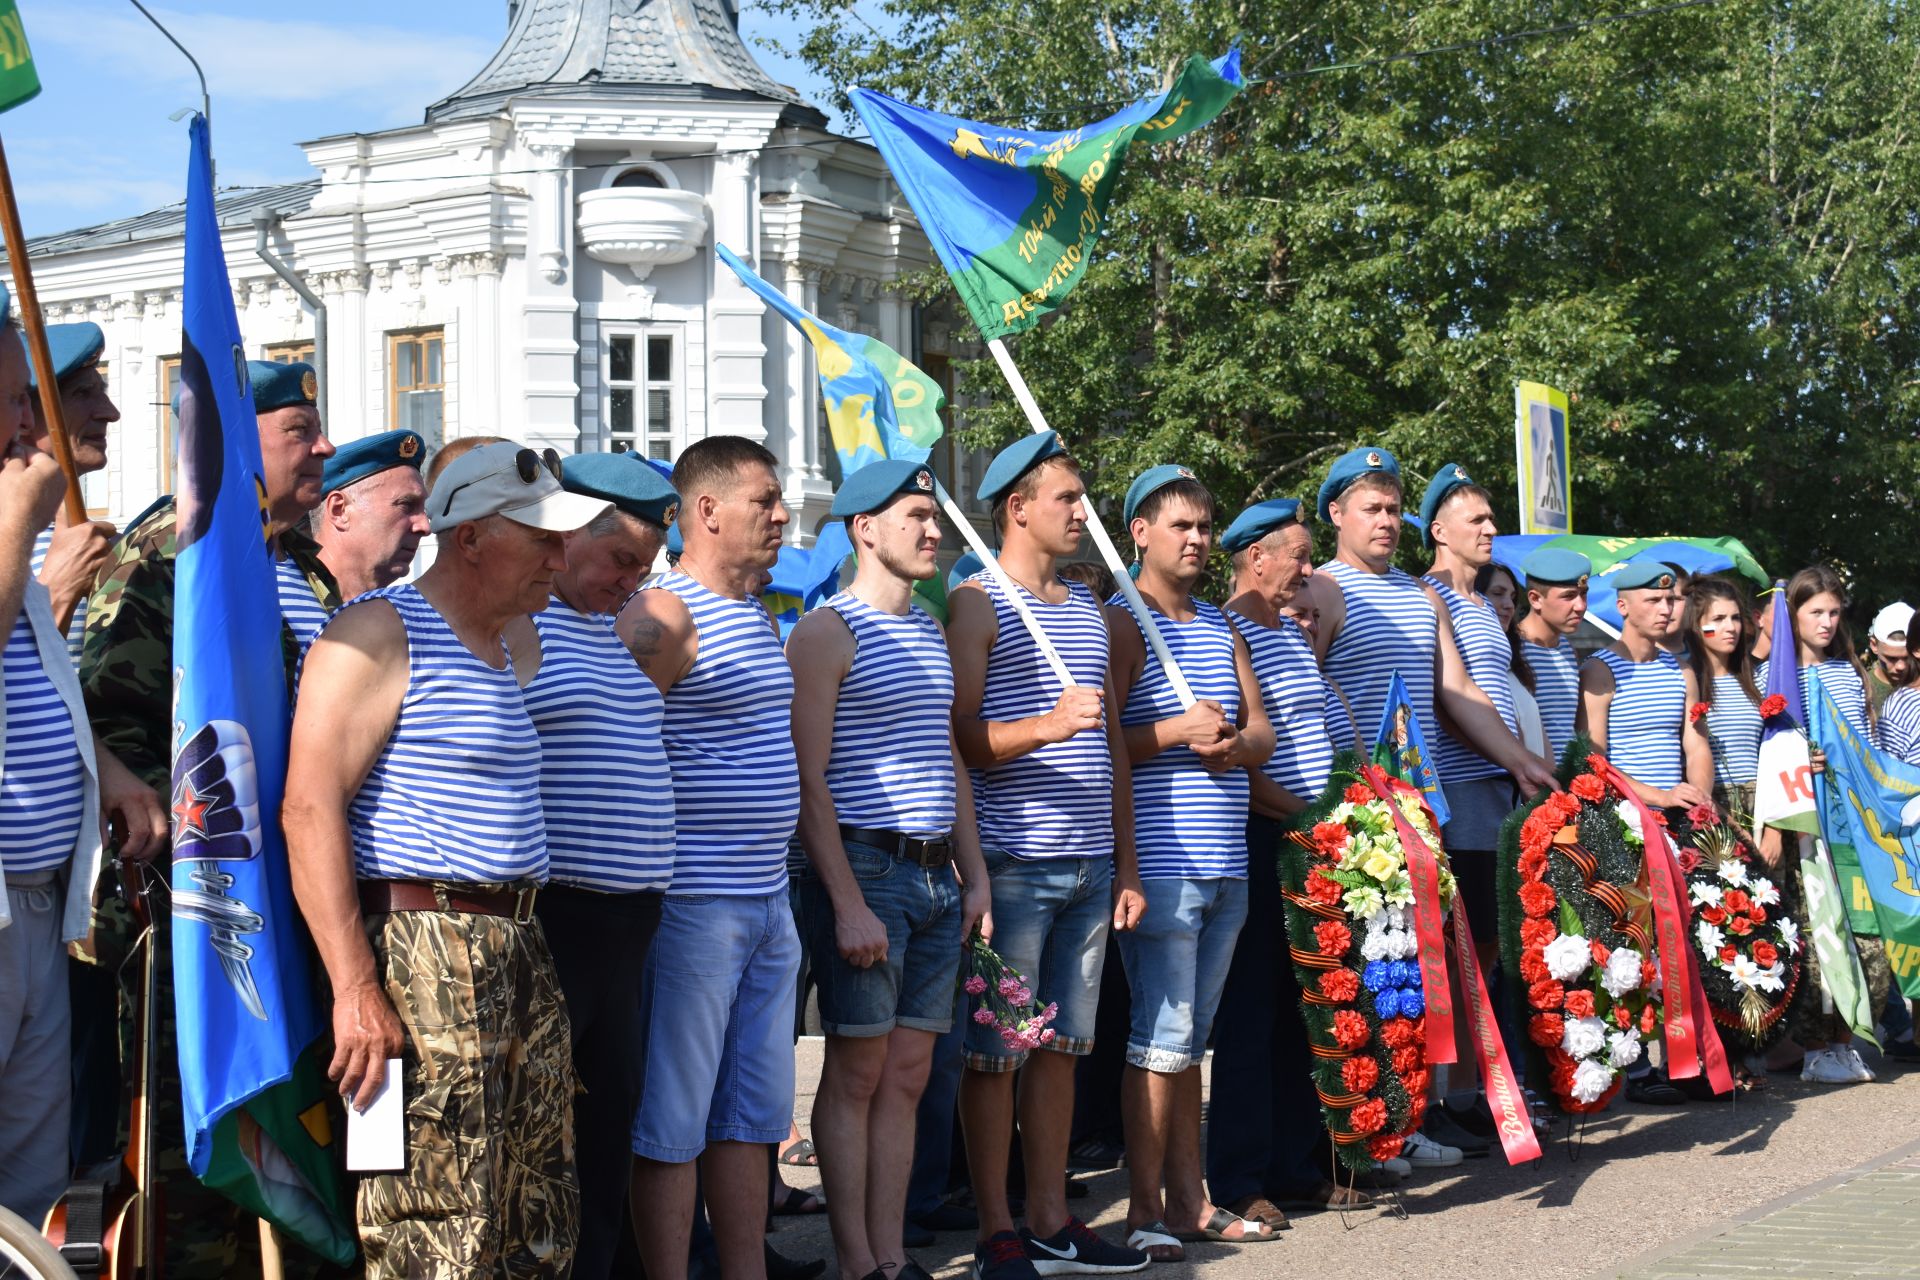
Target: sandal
column 1251, row 1232
column 1327, row 1196
column 1257, row 1208
column 1155, row 1235
column 798, row 1204
column 1746, row 1080
column 802, row 1154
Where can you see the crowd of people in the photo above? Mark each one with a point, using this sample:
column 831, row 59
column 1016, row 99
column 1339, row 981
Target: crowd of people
column 566, row 830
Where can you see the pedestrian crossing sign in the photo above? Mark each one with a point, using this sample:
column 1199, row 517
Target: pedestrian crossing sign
column 1545, row 465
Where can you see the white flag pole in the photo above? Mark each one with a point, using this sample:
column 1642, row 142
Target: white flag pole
column 1108, row 551
column 1008, row 588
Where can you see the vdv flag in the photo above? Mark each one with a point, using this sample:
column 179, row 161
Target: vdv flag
column 1400, row 747
column 1014, row 214
column 1783, row 791
column 1877, row 797
column 256, row 1116
column 18, row 79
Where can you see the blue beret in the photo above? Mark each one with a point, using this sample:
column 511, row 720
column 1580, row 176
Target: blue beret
column 675, row 543
column 371, row 455
column 1257, row 521
column 878, row 483
column 963, row 568
column 1635, row 574
column 276, row 386
column 73, row 347
column 1448, row 478
column 1349, row 467
column 624, row 479
column 1150, row 482
column 1556, row 567
column 1015, row 461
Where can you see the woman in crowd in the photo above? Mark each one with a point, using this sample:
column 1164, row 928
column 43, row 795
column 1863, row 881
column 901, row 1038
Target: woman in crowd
column 1719, row 651
column 1497, row 585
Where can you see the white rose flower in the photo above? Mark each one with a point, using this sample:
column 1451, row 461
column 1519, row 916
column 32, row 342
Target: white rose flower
column 1706, row 894
column 1623, row 1048
column 1711, row 939
column 1790, row 934
column 1623, row 972
column 1763, row 891
column 1630, row 818
column 1568, row 956
column 1583, row 1037
column 1733, row 871
column 1590, row 1080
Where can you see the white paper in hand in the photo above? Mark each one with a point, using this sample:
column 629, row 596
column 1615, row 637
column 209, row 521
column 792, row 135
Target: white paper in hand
column 377, row 1137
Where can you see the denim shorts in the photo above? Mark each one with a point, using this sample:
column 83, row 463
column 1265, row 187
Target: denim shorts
column 919, row 907
column 1177, row 959
column 717, row 1004
column 1050, row 921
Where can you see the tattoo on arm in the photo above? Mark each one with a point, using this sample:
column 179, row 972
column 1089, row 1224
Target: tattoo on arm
column 644, row 641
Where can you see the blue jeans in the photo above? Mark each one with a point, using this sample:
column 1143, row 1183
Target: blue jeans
column 1050, row 920
column 1177, row 959
column 933, row 1122
column 919, row 907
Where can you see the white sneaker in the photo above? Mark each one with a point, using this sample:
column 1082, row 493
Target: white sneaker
column 1824, row 1066
column 1398, row 1168
column 1423, row 1152
column 1850, row 1058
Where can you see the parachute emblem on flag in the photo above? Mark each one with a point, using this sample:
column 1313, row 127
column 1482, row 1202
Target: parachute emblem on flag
column 216, row 813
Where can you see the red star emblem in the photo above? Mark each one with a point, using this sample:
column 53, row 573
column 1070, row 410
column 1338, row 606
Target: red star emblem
column 190, row 811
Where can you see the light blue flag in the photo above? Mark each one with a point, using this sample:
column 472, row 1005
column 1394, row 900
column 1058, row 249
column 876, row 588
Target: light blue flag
column 1400, row 747
column 253, row 1098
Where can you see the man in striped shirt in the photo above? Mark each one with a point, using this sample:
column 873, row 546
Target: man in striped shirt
column 1556, row 605
column 719, row 987
column 67, row 557
column 886, row 818
column 372, row 512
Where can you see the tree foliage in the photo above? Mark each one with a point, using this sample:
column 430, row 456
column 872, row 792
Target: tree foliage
column 1702, row 223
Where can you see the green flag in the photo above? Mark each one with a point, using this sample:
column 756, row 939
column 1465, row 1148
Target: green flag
column 18, row 80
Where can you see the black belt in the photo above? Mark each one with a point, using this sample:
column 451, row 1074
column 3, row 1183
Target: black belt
column 904, row 848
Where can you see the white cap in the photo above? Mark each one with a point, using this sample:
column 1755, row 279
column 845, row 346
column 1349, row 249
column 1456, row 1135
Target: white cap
column 1890, row 624
column 508, row 480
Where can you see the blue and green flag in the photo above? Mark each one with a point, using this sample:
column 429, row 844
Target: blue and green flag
column 1013, row 213
column 18, row 79
column 1400, row 747
column 253, row 1095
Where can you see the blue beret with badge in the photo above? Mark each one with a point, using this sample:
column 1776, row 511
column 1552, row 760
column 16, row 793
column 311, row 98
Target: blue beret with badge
column 1450, row 477
column 1150, row 482
column 73, row 347
column 626, row 480
column 1349, row 467
column 1257, row 521
column 1637, row 575
column 878, row 483
column 369, row 456
column 279, row 386
column 1556, row 567
column 1015, row 461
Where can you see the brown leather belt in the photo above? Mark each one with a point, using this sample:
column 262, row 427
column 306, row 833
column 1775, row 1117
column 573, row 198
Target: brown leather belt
column 385, row 897
column 902, row 848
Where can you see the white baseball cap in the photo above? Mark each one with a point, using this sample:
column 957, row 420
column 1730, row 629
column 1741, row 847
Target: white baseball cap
column 1890, row 624
column 508, row 480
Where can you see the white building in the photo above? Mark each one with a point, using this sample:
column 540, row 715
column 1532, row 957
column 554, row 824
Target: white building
column 535, row 259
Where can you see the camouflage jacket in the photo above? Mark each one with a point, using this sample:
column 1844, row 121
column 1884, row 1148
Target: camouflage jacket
column 126, row 662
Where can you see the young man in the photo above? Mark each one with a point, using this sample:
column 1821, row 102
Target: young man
column 719, row 986
column 417, row 846
column 1891, row 667
column 1190, row 792
column 886, row 817
column 372, row 512
column 1054, row 801
column 68, row 558
column 1556, row 606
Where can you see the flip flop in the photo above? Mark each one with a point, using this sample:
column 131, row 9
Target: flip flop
column 1251, row 1231
column 802, row 1154
column 1155, row 1235
column 1257, row 1208
column 798, row 1204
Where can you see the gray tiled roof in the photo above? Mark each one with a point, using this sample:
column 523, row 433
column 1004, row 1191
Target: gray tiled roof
column 562, row 46
column 234, row 208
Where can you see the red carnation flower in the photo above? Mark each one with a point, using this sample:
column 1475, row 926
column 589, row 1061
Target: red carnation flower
column 1537, row 899
column 1697, row 710
column 1323, row 889
column 1334, row 938
column 1358, row 793
column 1757, row 913
column 1772, row 705
column 1765, row 955
column 1649, row 1017
column 1349, row 1029
column 1329, row 837
column 1359, row 1074
column 1416, row 1112
column 1736, row 900
column 1536, row 833
column 1532, row 865
column 1537, row 933
column 1406, row 1058
column 1560, row 1060
column 1532, row 967
column 1588, row 788
column 1385, row 1146
column 1545, row 1030
column 1740, row 926
column 1564, row 808
column 1397, row 1032
column 1580, row 1004
column 1546, row 996
column 1340, row 984
column 1596, row 762
column 1727, row 954
column 1369, row 1117
column 1599, row 950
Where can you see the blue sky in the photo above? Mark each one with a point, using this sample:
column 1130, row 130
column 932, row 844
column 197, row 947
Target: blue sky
column 97, row 143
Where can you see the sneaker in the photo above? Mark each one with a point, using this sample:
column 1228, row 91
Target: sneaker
column 1823, row 1067
column 1441, row 1127
column 1002, row 1257
column 1074, row 1250
column 1850, row 1058
column 1901, row 1051
column 1397, row 1167
column 1423, row 1152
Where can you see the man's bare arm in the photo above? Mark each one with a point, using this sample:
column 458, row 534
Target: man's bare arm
column 659, row 632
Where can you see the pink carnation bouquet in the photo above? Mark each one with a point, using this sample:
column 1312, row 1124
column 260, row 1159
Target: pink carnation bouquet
column 1001, row 998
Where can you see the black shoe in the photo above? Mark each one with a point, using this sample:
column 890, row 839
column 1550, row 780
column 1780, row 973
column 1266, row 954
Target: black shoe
column 1901, row 1051
column 1093, row 1155
column 781, row 1267
column 1443, row 1129
column 1075, row 1250
column 1077, row 1190
column 1476, row 1119
column 912, row 1271
column 949, row 1217
column 1654, row 1089
column 1002, row 1257
column 915, row 1235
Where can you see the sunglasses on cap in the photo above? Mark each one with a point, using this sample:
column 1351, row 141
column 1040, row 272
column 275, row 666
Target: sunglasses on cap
column 526, row 462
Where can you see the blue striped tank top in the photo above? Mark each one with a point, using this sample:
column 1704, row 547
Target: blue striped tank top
column 1391, row 626
column 1556, row 687
column 1900, row 724
column 1188, row 822
column 455, row 794
column 892, row 761
column 1296, row 697
column 604, row 780
column 41, row 790
column 729, row 735
column 1056, row 802
column 1644, row 720
column 303, row 614
column 1488, row 657
column 1843, row 682
column 1733, row 730
column 77, row 628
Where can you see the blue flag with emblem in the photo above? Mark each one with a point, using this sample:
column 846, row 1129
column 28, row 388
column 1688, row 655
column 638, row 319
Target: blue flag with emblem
column 254, row 1100
column 1400, row 747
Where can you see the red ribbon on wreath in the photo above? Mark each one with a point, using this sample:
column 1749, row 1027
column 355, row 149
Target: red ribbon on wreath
column 1692, row 1041
column 1423, row 870
column 1505, row 1097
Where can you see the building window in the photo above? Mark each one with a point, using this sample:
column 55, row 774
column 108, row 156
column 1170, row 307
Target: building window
column 169, row 420
column 416, row 383
column 643, row 400
column 290, row 352
column 641, row 178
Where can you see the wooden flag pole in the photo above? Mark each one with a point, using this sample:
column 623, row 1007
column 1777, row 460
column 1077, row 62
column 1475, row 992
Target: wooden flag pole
column 1008, row 588
column 1108, row 552
column 28, row 304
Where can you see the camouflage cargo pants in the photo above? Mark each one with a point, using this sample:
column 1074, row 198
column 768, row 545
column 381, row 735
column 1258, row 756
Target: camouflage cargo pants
column 489, row 1187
